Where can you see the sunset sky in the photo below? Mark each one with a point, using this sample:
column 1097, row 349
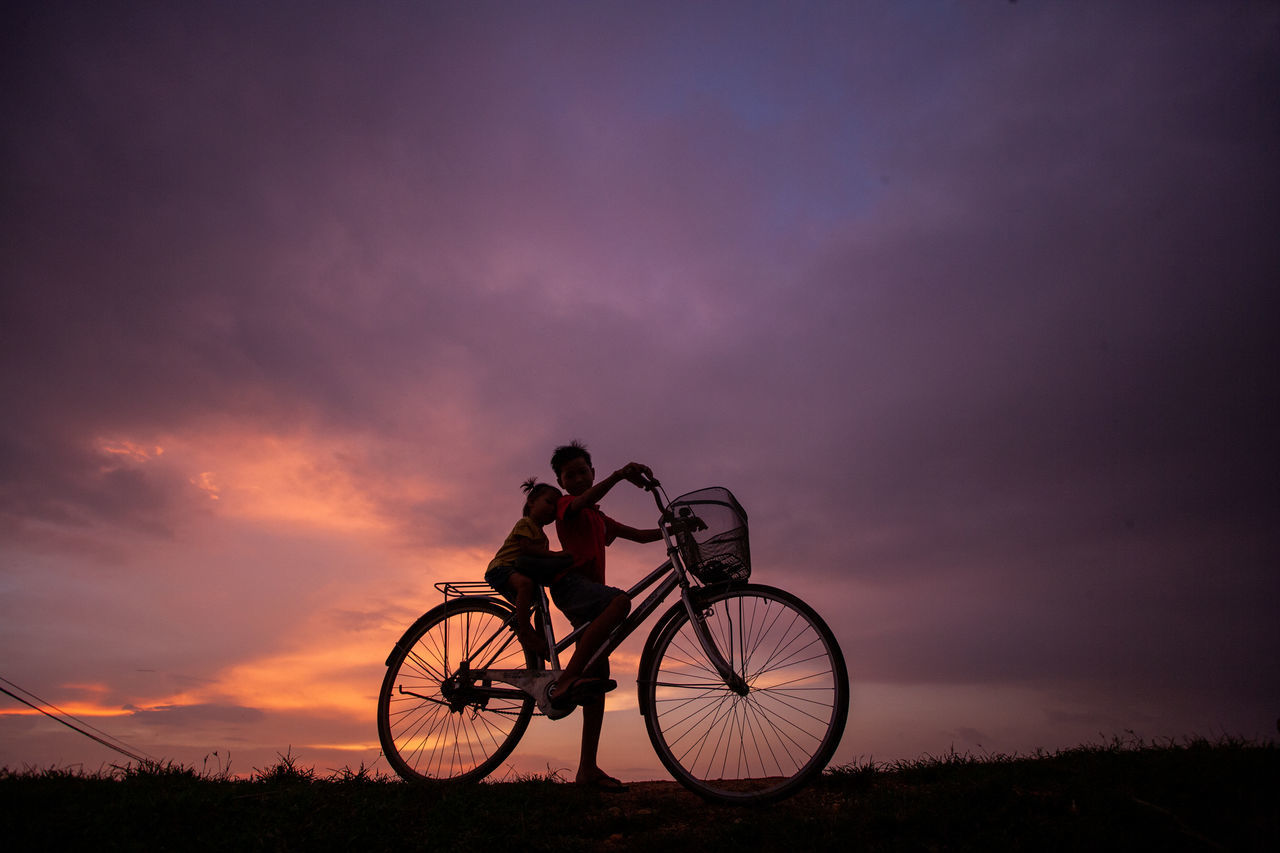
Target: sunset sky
column 972, row 304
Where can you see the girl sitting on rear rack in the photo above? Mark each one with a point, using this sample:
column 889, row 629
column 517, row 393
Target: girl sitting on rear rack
column 526, row 558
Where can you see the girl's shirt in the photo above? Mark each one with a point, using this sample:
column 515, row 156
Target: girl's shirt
column 526, row 529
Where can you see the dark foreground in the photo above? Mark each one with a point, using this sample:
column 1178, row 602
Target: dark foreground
column 1194, row 796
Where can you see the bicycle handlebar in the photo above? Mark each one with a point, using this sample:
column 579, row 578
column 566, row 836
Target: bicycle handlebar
column 653, row 487
column 690, row 521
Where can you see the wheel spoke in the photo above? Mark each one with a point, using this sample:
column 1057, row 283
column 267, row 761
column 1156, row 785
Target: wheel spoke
column 768, row 742
column 435, row 726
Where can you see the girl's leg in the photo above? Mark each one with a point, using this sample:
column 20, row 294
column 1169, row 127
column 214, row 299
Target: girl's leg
column 529, row 638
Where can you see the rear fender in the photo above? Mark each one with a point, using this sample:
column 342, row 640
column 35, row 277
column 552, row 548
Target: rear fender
column 433, row 614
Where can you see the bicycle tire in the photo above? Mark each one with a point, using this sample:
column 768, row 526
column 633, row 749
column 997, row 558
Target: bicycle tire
column 429, row 733
column 761, row 746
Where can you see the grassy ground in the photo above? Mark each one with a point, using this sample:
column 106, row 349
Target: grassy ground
column 1189, row 796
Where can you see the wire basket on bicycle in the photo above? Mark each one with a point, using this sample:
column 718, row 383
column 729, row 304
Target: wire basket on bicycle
column 720, row 552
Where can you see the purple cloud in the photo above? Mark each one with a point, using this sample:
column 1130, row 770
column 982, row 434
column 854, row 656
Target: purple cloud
column 971, row 307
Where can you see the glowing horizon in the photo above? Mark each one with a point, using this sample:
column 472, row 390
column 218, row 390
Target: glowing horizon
column 968, row 304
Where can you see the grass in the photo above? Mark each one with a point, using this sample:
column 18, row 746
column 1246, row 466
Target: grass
column 1124, row 794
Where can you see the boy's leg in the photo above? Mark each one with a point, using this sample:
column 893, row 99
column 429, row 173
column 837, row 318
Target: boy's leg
column 592, row 723
column 589, row 772
column 580, row 600
column 593, row 638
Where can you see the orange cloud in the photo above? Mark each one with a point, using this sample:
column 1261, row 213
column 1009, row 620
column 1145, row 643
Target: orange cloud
column 205, row 482
column 292, row 480
column 122, row 449
column 79, row 707
column 339, row 678
column 300, row 479
column 74, row 709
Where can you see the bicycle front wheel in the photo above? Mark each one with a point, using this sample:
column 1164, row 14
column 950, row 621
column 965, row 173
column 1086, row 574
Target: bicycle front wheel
column 781, row 726
column 432, row 720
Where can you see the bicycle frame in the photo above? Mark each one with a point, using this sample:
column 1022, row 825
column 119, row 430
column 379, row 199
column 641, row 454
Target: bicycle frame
column 669, row 576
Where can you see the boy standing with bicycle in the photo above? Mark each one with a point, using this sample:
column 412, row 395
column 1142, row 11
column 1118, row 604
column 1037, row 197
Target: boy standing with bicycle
column 582, row 595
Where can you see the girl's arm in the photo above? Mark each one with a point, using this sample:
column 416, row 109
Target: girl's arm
column 534, row 548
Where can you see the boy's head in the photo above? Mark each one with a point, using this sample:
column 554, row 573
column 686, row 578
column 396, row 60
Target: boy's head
column 572, row 466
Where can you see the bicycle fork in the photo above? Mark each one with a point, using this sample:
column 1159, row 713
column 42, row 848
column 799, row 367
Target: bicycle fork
column 697, row 616
column 724, row 668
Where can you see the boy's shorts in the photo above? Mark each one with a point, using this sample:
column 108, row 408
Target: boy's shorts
column 581, row 599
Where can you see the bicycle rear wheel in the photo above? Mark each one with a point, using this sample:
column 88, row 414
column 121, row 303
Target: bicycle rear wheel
column 432, row 722
column 766, row 742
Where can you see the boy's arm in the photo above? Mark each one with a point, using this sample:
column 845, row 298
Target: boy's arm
column 633, row 535
column 633, row 471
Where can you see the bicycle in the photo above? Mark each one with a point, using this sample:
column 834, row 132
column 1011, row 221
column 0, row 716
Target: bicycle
column 742, row 686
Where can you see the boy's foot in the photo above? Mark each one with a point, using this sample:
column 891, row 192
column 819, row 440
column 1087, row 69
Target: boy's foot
column 579, row 690
column 602, row 781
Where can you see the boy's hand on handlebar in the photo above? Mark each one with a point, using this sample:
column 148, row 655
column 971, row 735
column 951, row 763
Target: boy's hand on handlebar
column 640, row 475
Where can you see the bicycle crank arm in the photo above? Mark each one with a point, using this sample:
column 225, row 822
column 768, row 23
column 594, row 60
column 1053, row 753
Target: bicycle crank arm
column 534, row 684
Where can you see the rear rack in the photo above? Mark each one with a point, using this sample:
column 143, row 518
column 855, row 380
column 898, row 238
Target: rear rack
column 461, row 589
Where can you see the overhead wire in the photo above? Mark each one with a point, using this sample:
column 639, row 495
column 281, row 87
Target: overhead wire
column 101, row 737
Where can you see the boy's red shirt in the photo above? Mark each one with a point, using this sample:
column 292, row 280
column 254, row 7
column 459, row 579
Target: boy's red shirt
column 585, row 535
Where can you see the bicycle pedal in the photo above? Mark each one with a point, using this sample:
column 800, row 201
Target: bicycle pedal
column 549, row 710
